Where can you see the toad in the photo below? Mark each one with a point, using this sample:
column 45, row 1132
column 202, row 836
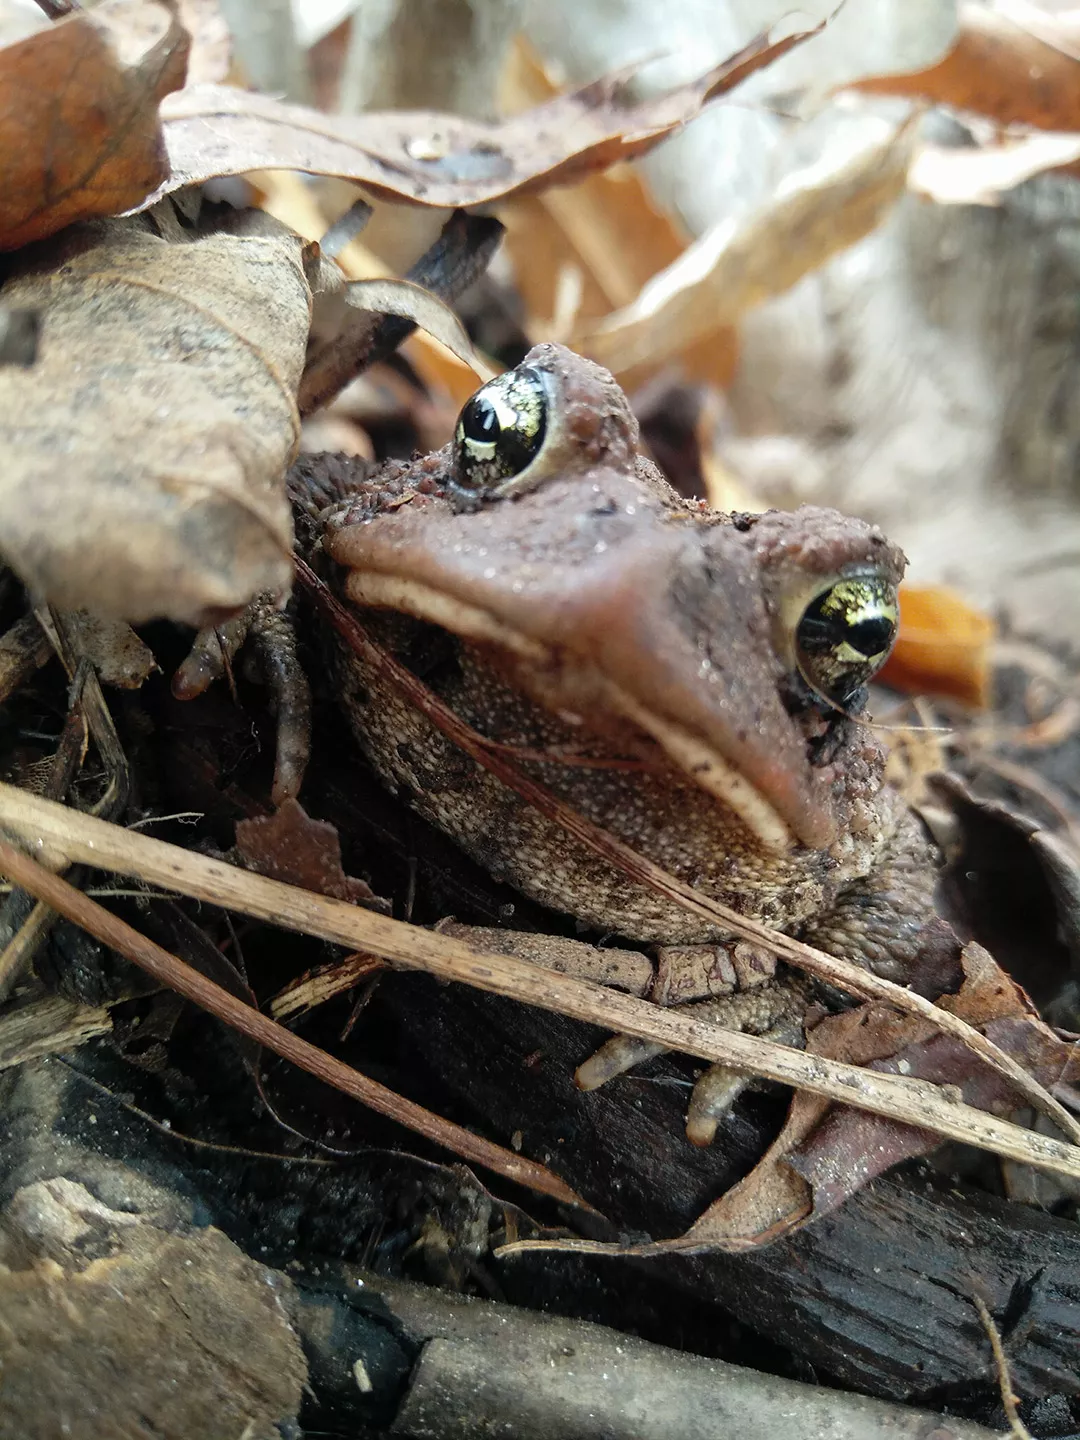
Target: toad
column 691, row 681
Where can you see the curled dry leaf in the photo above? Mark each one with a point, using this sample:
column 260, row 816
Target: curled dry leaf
column 441, row 160
column 79, row 128
column 739, row 263
column 359, row 326
column 999, row 68
column 412, row 302
column 363, row 304
column 146, row 450
column 943, row 647
column 826, row 1153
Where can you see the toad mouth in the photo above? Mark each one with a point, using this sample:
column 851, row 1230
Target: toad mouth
column 705, row 765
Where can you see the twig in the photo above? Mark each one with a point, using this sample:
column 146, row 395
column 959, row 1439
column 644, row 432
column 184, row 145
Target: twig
column 51, row 828
column 57, row 9
column 457, row 258
column 196, row 1141
column 48, row 1025
column 17, row 955
column 841, row 973
column 1009, row 1400
column 167, row 970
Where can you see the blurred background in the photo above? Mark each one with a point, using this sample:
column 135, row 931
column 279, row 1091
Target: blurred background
column 919, row 360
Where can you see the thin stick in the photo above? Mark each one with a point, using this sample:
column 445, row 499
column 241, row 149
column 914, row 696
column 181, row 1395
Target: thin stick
column 842, row 973
column 167, row 970
column 1017, row 1428
column 41, row 824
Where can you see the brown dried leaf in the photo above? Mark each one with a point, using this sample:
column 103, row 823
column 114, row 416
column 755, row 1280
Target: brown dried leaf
column 79, row 132
column 441, row 160
column 292, row 847
column 145, row 452
column 120, row 658
column 998, row 67
column 825, row 1153
column 740, row 263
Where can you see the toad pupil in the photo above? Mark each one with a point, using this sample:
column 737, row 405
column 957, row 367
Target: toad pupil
column 479, row 421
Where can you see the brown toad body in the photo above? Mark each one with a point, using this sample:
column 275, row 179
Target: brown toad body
column 683, row 678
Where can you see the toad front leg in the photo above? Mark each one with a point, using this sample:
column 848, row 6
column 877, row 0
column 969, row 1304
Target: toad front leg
column 885, row 923
column 773, row 1010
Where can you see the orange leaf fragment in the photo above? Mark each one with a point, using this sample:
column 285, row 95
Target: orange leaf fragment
column 79, row 129
column 943, row 647
column 999, row 68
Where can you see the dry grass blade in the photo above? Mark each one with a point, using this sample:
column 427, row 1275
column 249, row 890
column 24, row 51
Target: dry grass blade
column 1017, row 1429
column 167, row 970
column 841, row 973
column 53, row 830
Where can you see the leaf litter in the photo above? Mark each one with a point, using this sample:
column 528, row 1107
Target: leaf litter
column 441, row 160
column 410, row 157
column 741, row 262
column 146, row 447
column 79, row 128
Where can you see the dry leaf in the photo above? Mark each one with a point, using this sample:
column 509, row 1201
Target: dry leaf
column 365, row 321
column 608, row 224
column 966, row 176
column 290, row 200
column 145, row 451
column 825, row 1153
column 118, row 655
column 606, row 230
column 292, row 847
column 413, row 302
column 739, row 263
column 997, row 67
column 943, row 647
column 440, row 160
column 79, row 132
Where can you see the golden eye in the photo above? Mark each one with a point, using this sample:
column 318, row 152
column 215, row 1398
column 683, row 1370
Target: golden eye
column 500, row 432
column 845, row 635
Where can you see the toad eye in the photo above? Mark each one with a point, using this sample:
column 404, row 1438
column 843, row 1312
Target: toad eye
column 500, row 432
column 845, row 635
